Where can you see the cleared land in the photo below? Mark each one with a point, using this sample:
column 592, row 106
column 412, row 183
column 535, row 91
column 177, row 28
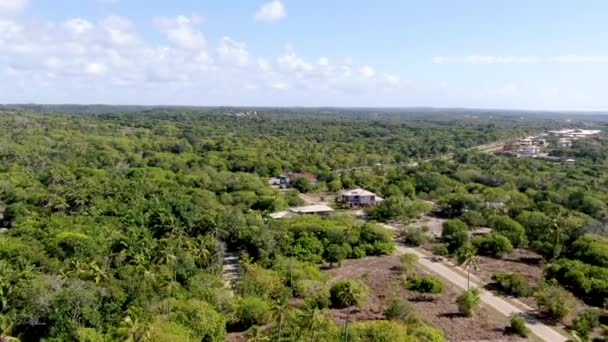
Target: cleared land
column 382, row 276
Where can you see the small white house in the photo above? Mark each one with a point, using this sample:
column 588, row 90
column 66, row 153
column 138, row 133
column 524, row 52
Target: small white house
column 359, row 198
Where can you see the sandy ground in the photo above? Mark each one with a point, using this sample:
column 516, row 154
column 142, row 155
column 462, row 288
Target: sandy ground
column 382, row 276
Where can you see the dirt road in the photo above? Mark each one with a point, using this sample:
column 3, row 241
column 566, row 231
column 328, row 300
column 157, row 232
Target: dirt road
column 539, row 329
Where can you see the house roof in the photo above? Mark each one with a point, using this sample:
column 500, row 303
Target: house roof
column 358, row 192
column 309, row 209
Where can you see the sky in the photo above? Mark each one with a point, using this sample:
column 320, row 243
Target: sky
column 512, row 54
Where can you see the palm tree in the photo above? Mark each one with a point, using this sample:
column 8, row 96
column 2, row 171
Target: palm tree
column 255, row 334
column 467, row 257
column 6, row 326
column 279, row 311
column 131, row 330
column 312, row 317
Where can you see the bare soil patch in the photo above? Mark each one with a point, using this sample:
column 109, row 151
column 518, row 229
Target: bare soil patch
column 381, row 275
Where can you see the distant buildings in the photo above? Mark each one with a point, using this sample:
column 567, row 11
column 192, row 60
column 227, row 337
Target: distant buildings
column 359, row 198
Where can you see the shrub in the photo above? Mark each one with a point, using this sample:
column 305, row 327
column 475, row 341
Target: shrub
column 425, row 285
column 358, row 252
column 585, row 322
column 408, row 263
column 493, row 244
column 513, row 284
column 474, row 219
column 441, row 250
column 337, row 253
column 414, row 236
column 511, row 229
column 583, row 279
column 390, row 331
column 591, row 249
column 346, row 293
column 518, row 326
column 468, row 301
column 455, row 233
column 555, row 301
column 253, row 311
column 400, row 309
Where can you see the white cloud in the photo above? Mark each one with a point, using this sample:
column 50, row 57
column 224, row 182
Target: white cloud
column 264, row 65
column 182, row 32
column 96, row 69
column 12, row 7
column 78, row 25
column 393, row 80
column 233, row 52
column 120, row 30
column 271, row 11
column 107, row 60
column 367, row 71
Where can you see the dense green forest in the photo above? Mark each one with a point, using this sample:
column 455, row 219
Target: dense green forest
column 115, row 223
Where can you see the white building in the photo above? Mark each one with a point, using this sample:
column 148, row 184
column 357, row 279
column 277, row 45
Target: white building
column 359, row 198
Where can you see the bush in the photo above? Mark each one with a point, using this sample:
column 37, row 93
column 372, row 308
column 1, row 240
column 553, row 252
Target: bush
column 591, row 249
column 391, row 331
column 253, row 311
column 337, row 253
column 346, row 293
column 511, row 229
column 400, row 309
column 441, row 250
column 455, row 233
column 518, row 326
column 513, row 284
column 493, row 244
column 555, row 301
column 425, row 285
column 468, row 301
column 414, row 236
column 584, row 280
column 474, row 219
column 408, row 263
column 585, row 322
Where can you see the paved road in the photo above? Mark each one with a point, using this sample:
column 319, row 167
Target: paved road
column 539, row 329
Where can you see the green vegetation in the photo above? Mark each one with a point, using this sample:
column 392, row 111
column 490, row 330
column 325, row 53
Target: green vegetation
column 400, row 309
column 518, row 326
column 468, row 301
column 425, row 285
column 513, row 284
column 555, row 301
column 116, row 220
column 347, row 293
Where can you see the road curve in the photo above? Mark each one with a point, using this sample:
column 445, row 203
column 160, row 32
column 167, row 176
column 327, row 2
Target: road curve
column 539, row 329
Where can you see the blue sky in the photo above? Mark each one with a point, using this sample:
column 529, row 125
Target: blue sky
column 468, row 53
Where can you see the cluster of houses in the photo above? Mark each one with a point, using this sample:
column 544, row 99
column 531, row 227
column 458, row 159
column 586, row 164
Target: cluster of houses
column 529, row 146
column 356, row 198
column 568, row 136
column 533, row 146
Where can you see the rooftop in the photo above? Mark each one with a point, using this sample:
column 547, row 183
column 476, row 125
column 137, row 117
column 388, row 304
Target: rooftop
column 358, row 192
column 310, row 209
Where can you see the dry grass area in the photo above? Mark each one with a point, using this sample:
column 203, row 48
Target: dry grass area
column 383, row 278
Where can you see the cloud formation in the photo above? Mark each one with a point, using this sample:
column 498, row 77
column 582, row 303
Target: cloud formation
column 108, row 60
column 271, row 11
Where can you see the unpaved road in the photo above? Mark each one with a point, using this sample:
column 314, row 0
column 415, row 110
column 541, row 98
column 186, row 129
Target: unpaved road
column 539, row 329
